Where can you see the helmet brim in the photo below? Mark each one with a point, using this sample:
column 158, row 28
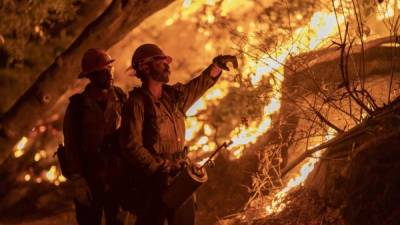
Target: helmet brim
column 169, row 59
column 84, row 74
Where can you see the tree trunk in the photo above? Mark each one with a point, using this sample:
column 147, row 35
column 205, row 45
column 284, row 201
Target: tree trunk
column 120, row 17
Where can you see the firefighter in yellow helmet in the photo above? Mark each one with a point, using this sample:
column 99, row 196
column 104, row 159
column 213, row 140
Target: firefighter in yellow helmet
column 152, row 134
column 90, row 124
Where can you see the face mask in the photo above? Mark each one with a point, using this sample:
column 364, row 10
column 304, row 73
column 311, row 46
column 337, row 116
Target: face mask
column 103, row 78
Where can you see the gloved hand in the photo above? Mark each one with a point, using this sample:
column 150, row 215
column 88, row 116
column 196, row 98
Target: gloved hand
column 81, row 190
column 167, row 171
column 222, row 60
column 172, row 167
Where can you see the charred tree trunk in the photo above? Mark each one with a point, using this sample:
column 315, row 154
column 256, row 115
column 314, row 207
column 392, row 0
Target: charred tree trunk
column 120, row 17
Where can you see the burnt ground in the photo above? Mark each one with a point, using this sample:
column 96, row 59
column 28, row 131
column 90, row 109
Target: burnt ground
column 355, row 182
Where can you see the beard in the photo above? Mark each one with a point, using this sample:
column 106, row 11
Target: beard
column 160, row 76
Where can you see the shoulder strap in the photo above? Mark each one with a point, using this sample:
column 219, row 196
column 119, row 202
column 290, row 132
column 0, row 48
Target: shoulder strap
column 149, row 114
column 148, row 107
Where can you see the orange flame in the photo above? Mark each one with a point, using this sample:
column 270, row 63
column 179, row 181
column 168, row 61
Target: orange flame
column 277, row 202
column 19, row 147
column 387, row 9
column 269, row 66
column 51, row 174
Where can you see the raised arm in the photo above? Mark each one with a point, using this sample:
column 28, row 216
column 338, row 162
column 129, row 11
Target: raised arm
column 195, row 88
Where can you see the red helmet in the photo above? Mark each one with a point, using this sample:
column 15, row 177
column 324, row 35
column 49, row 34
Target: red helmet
column 94, row 59
column 146, row 52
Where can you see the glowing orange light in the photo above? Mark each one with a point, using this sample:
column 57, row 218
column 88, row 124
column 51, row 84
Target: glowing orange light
column 61, row 178
column 51, row 174
column 193, row 126
column 27, row 177
column 186, row 3
column 277, row 202
column 19, row 147
column 37, row 157
column 386, row 10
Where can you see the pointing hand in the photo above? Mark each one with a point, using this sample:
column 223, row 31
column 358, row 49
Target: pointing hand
column 222, row 60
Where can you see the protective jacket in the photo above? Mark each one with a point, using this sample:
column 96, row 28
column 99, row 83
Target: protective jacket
column 90, row 134
column 153, row 130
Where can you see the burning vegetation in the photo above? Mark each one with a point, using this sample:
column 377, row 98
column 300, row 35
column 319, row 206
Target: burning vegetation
column 316, row 93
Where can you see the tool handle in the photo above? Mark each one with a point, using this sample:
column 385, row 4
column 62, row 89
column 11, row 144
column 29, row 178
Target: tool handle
column 224, row 145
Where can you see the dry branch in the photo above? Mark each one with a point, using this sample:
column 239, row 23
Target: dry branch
column 120, row 17
column 351, row 135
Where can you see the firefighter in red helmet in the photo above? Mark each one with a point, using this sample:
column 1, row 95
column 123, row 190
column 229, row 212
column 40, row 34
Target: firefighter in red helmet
column 152, row 134
column 90, row 124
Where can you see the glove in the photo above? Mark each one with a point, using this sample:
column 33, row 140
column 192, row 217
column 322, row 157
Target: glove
column 172, row 168
column 167, row 171
column 222, row 60
column 81, row 191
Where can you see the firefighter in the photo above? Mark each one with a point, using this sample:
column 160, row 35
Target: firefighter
column 152, row 134
column 90, row 125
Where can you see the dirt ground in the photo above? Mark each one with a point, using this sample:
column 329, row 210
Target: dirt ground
column 65, row 218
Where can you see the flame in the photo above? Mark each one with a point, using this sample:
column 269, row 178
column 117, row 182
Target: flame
column 19, row 147
column 268, row 66
column 37, row 157
column 196, row 107
column 42, row 128
column 278, row 200
column 237, row 153
column 27, row 177
column 208, row 46
column 212, row 97
column 186, row 3
column 322, row 25
column 277, row 203
column 40, row 155
column 51, row 174
column 61, row 178
column 193, row 126
column 387, row 10
column 208, row 130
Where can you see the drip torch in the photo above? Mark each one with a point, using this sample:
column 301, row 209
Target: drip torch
column 188, row 180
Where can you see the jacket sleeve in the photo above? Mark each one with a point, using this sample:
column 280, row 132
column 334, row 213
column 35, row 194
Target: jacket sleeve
column 195, row 88
column 72, row 142
column 131, row 139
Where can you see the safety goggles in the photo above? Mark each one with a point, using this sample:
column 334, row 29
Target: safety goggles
column 165, row 58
